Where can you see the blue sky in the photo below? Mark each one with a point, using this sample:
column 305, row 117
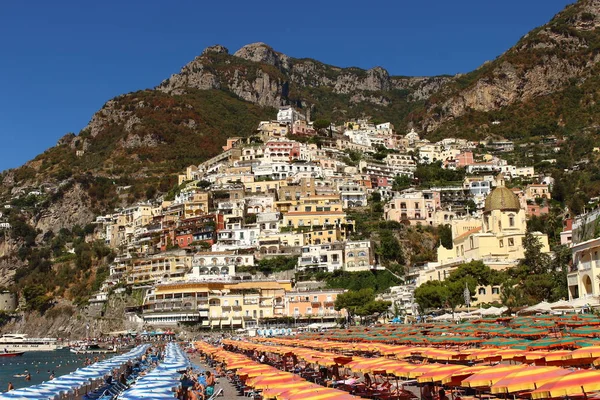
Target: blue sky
column 62, row 60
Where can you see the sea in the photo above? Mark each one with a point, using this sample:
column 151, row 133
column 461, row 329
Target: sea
column 40, row 365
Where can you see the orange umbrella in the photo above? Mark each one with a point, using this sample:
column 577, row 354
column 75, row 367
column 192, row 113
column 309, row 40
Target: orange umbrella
column 527, row 379
column 320, row 394
column 576, row 383
column 440, row 373
column 491, row 375
column 482, row 354
column 280, row 390
column 586, row 352
column 261, row 382
column 456, row 378
column 420, row 370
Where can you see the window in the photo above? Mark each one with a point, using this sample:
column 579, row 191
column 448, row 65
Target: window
column 362, row 254
column 471, row 244
column 481, row 291
column 501, row 243
column 350, row 254
column 495, row 290
column 511, row 220
column 511, row 242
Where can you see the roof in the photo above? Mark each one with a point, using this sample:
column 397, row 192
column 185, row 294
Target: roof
column 468, row 233
column 502, row 199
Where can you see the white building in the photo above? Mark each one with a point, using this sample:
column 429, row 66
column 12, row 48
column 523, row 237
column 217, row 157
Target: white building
column 287, row 115
column 326, row 257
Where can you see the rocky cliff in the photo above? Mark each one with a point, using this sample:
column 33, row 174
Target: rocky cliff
column 259, row 74
column 549, row 59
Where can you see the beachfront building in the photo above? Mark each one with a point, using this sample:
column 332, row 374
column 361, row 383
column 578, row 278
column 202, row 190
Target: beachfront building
column 313, row 305
column 215, row 304
column 172, row 265
column 583, row 279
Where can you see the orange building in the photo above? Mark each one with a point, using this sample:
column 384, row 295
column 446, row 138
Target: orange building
column 313, row 304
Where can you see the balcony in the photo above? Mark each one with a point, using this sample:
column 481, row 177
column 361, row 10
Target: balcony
column 587, row 265
column 315, row 304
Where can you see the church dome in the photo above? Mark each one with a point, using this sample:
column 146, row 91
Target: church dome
column 502, row 199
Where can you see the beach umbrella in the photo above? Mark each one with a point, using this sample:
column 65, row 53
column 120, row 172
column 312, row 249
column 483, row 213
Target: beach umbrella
column 527, row 379
column 321, row 394
column 491, row 375
column 586, row 352
column 455, row 378
column 576, row 383
column 272, row 392
column 421, row 369
column 440, row 373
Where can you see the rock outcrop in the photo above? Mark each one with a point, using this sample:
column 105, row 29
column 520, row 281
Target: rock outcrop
column 261, row 75
column 548, row 59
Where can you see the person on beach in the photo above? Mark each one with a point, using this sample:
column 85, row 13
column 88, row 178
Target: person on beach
column 28, row 377
column 442, row 395
column 210, row 383
column 10, row 387
column 427, row 392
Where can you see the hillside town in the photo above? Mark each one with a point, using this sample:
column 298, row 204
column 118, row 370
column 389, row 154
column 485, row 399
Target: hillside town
column 289, row 192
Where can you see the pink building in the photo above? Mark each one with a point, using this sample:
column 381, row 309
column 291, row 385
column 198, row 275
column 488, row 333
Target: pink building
column 537, row 210
column 283, row 148
column 313, row 304
column 380, row 182
column 301, row 127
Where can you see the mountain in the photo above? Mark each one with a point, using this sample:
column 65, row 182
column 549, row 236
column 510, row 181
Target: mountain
column 546, row 84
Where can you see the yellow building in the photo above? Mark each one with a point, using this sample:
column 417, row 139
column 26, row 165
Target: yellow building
column 497, row 241
column 216, row 304
column 264, row 187
column 311, row 201
column 160, row 266
column 310, row 215
column 321, row 236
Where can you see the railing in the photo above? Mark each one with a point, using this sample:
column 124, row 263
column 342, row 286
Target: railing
column 585, row 265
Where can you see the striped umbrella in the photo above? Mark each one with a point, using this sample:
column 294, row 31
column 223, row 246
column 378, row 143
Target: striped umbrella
column 527, row 379
column 576, row 383
column 586, row 352
column 491, row 375
column 456, row 378
column 440, row 373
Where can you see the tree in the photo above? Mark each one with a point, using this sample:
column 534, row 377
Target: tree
column 321, row 124
column 36, row 298
column 431, row 294
column 354, row 299
column 401, row 182
column 361, row 303
column 534, row 262
column 374, row 307
column 445, row 234
column 389, row 248
column 477, row 270
column 511, row 296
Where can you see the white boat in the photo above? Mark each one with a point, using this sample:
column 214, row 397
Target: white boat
column 20, row 342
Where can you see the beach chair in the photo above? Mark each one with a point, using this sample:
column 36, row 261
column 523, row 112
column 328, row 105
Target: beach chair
column 216, row 394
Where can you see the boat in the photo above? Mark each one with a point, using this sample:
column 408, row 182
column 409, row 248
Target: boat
column 18, row 342
column 12, row 354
